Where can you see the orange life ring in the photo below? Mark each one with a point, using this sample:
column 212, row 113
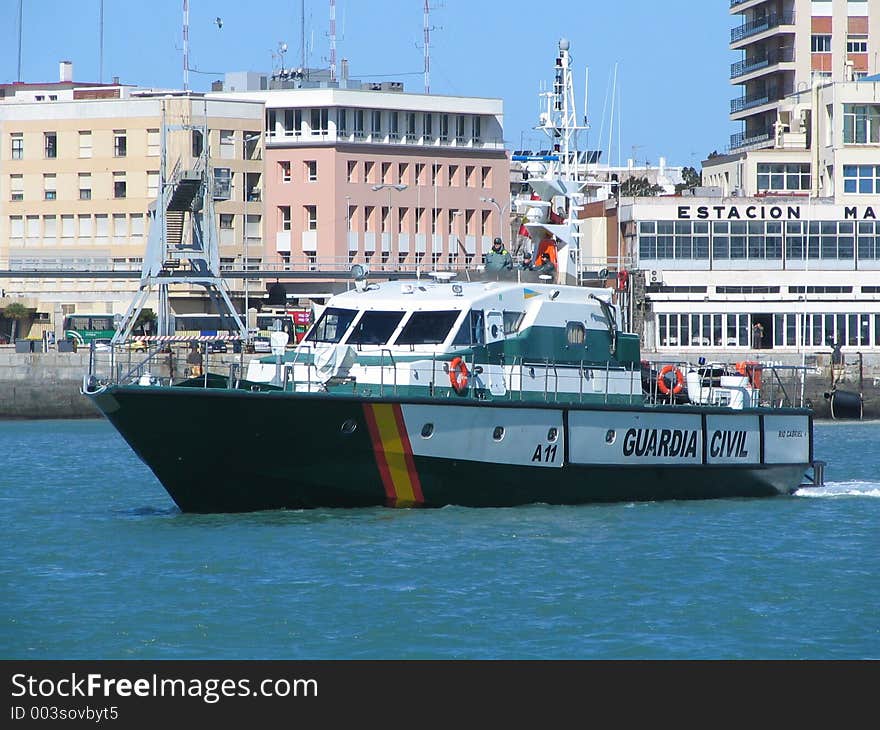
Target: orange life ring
column 458, row 375
column 661, row 380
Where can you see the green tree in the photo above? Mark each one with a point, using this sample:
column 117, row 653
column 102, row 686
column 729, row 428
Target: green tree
column 690, row 178
column 16, row 312
column 146, row 316
column 639, row 187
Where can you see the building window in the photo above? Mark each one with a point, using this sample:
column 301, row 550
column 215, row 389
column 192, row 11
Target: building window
column 779, row 176
column 820, row 43
column 284, row 171
column 118, row 184
column 486, row 177
column 16, row 188
column 831, row 240
column 411, row 124
column 359, row 123
column 120, row 143
column 352, row 166
column 227, row 221
column 386, row 173
column 478, row 131
column 369, row 166
column 435, row 175
column 674, row 240
column 197, row 143
column 341, row 122
column 453, row 176
column 153, row 184
column 403, row 173
column 311, row 217
column 50, row 144
column 420, row 173
column 375, row 122
column 153, row 143
column 857, row 44
column 311, row 170
column 227, row 144
column 868, row 242
column 861, row 179
column 459, row 128
column 320, row 121
column 444, row 127
column 49, row 189
column 17, row 146
column 284, row 217
column 222, row 183
column 740, row 240
column 393, row 125
column 85, row 186
column 85, row 144
column 428, row 126
column 861, row 124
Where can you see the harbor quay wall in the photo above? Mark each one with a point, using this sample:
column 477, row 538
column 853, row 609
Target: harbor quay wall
column 47, row 384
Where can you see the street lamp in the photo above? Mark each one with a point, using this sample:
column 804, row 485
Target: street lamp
column 399, row 187
column 500, row 212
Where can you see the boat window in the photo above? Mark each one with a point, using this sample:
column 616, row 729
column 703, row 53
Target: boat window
column 332, row 325
column 374, row 328
column 427, row 328
column 471, row 330
column 512, row 321
column 575, row 333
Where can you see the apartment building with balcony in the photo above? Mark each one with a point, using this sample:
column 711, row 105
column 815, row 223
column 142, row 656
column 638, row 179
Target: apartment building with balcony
column 379, row 176
column 786, row 45
column 80, row 167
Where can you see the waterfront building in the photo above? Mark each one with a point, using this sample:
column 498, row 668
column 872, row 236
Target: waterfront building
column 783, row 239
column 79, row 168
column 370, row 174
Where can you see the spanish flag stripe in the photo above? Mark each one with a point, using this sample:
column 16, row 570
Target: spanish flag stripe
column 415, row 484
column 379, row 452
column 395, row 456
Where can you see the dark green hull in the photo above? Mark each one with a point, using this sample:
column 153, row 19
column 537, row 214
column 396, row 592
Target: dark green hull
column 219, row 450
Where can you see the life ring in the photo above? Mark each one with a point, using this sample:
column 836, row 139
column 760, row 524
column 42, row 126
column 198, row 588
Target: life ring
column 622, row 280
column 458, row 375
column 661, row 380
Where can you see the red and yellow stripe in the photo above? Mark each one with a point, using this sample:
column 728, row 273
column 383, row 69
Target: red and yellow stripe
column 393, row 454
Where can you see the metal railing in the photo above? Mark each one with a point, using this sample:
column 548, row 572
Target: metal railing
column 750, row 102
column 746, row 30
column 740, row 139
column 741, row 68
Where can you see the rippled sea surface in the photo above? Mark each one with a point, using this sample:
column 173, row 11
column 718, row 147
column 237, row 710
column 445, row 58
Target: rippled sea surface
column 98, row 563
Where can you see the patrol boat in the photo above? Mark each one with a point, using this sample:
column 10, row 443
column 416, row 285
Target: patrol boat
column 434, row 391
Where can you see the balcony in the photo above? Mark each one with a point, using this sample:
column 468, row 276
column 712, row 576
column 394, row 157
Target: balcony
column 746, row 30
column 740, row 140
column 750, row 102
column 747, row 66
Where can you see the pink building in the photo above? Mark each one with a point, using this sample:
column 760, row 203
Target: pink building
column 391, row 179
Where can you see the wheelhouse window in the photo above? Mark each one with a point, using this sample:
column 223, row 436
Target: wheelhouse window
column 374, row 328
column 332, row 325
column 427, row 328
column 472, row 330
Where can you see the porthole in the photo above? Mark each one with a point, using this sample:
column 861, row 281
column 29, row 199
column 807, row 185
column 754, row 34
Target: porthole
column 610, row 436
column 553, row 434
column 498, row 433
column 349, row 426
column 427, row 430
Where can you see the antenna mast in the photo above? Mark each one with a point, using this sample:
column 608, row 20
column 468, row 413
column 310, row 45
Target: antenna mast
column 333, row 40
column 186, row 45
column 101, row 43
column 19, row 39
column 302, row 34
column 427, row 49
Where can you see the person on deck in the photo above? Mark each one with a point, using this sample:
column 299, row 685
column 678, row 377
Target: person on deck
column 498, row 259
column 546, row 266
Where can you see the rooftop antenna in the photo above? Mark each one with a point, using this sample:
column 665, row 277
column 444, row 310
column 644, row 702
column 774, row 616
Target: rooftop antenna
column 427, row 44
column 186, row 45
column 101, row 42
column 332, row 40
column 302, row 34
column 19, row 39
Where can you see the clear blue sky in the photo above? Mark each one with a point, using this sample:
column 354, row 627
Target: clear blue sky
column 672, row 57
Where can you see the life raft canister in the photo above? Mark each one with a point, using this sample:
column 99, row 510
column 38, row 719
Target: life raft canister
column 458, row 375
column 663, row 386
column 751, row 369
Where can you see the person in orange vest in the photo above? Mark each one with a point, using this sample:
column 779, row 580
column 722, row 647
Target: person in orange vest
column 548, row 246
